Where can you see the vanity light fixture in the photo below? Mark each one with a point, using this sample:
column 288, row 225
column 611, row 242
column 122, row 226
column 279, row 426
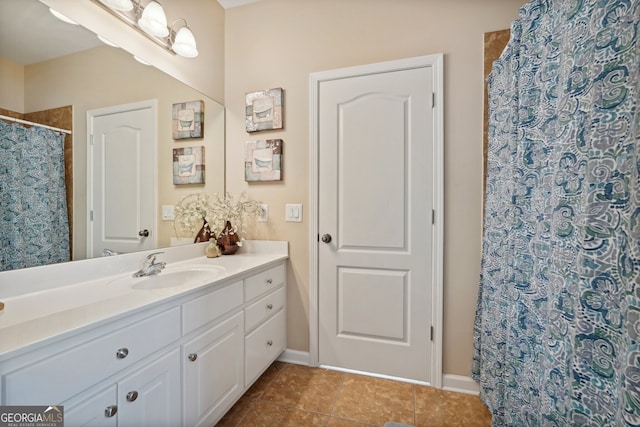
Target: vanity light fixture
column 107, row 41
column 182, row 41
column 151, row 21
column 121, row 5
column 62, row 17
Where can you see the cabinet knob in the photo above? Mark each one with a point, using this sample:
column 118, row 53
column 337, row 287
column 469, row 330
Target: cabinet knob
column 269, row 281
column 122, row 352
column 132, row 396
column 192, row 357
column 270, row 306
column 269, row 343
column 110, row 411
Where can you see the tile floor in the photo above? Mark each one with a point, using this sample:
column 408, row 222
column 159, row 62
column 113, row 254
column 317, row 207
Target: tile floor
column 300, row 396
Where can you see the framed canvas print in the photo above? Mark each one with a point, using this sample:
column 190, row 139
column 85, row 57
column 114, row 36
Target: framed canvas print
column 188, row 120
column 264, row 110
column 188, row 165
column 263, row 160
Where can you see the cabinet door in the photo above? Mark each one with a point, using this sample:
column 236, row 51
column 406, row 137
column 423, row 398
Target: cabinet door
column 98, row 410
column 213, row 372
column 151, row 395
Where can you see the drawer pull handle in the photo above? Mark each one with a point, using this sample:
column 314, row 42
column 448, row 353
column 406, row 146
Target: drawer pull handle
column 122, row 352
column 269, row 281
column 110, row 411
column 192, row 357
column 132, row 396
column 269, row 343
column 270, row 306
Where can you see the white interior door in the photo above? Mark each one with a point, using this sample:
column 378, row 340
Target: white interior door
column 122, row 190
column 376, row 180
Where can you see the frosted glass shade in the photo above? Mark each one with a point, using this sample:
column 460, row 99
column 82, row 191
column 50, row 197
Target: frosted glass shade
column 153, row 20
column 122, row 5
column 185, row 44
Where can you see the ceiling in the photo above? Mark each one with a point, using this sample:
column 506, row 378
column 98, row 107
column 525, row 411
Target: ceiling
column 30, row 34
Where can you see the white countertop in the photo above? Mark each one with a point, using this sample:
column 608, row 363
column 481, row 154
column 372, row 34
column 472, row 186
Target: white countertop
column 52, row 302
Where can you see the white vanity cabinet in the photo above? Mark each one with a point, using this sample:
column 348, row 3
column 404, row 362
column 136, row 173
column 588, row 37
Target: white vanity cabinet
column 150, row 396
column 183, row 361
column 212, row 355
column 265, row 320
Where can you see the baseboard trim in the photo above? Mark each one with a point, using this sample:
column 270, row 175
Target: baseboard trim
column 450, row 382
column 295, row 356
column 460, row 384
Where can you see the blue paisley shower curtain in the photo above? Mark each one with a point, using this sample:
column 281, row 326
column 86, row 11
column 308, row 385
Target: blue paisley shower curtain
column 557, row 330
column 34, row 228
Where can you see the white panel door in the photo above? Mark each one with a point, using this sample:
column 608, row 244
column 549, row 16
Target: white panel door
column 122, row 178
column 375, row 192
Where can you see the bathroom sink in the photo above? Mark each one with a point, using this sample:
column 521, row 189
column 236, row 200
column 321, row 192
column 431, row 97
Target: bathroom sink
column 169, row 278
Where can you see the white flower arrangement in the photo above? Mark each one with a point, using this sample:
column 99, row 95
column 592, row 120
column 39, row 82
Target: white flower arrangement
column 194, row 209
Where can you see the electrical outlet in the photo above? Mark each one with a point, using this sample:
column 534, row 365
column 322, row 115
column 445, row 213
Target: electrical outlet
column 264, row 215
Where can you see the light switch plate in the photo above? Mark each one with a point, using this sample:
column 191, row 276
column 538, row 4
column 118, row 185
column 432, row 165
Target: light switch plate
column 293, row 212
column 167, row 213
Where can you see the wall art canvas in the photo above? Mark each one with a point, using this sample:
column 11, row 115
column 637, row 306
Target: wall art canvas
column 263, row 160
column 188, row 120
column 188, row 165
column 264, row 110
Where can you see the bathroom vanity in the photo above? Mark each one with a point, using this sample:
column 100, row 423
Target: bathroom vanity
column 179, row 351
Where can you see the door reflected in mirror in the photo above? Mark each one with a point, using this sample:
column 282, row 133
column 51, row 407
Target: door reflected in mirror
column 97, row 77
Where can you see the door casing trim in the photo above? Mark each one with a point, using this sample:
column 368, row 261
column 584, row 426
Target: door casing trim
column 315, row 79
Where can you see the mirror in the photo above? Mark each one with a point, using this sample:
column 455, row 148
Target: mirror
column 90, row 75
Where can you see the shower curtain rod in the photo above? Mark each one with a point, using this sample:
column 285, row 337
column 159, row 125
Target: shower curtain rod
column 26, row 122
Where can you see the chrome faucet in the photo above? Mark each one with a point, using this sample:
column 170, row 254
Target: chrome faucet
column 150, row 267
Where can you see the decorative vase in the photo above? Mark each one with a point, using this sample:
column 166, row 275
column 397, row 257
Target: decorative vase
column 212, row 250
column 204, row 234
column 228, row 240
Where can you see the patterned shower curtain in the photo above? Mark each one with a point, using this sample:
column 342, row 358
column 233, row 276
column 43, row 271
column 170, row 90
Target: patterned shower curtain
column 557, row 330
column 34, row 228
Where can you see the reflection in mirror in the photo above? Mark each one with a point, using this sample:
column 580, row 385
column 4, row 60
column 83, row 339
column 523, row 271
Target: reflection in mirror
column 89, row 76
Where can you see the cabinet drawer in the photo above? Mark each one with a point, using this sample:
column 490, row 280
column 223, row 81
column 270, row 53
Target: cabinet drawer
column 264, row 282
column 57, row 378
column 206, row 308
column 263, row 345
column 262, row 309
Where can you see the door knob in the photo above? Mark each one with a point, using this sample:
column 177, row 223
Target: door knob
column 143, row 233
column 132, row 396
column 192, row 357
column 326, row 238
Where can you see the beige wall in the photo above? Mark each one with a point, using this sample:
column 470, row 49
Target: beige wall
column 103, row 77
column 277, row 43
column 11, row 86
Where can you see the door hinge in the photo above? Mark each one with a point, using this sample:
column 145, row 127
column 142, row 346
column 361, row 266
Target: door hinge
column 90, row 215
column 433, row 216
column 433, row 99
column 91, row 139
column 430, row 333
